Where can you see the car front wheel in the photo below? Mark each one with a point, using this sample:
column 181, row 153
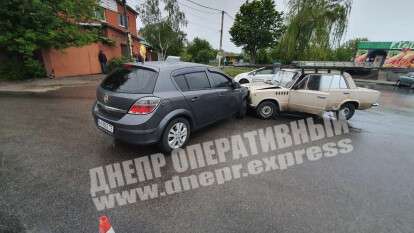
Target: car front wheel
column 175, row 135
column 347, row 110
column 267, row 110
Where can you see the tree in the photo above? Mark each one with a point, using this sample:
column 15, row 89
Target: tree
column 257, row 25
column 314, row 27
column 348, row 50
column 163, row 32
column 200, row 51
column 26, row 27
column 263, row 56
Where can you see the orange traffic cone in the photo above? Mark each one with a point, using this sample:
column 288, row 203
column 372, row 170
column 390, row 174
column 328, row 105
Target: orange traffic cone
column 105, row 225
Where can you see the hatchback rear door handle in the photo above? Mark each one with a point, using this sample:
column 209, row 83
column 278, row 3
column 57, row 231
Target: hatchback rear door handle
column 195, row 98
column 321, row 97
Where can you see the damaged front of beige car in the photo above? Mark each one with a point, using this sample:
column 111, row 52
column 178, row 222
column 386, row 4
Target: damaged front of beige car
column 269, row 97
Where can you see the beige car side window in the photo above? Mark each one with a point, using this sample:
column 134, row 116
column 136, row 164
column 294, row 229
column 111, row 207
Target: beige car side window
column 338, row 82
column 319, row 82
column 302, row 84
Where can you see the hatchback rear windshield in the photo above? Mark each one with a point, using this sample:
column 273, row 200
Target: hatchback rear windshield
column 130, row 80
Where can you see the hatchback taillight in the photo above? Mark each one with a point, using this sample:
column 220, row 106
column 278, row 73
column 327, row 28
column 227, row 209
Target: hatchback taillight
column 144, row 105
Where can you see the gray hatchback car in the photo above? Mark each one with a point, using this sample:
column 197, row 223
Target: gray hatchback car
column 162, row 102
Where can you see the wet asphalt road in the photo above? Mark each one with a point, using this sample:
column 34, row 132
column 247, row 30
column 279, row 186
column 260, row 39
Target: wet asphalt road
column 48, row 143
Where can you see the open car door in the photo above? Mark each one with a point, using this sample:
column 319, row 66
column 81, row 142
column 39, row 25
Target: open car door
column 308, row 95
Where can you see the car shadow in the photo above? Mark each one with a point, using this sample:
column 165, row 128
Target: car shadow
column 222, row 128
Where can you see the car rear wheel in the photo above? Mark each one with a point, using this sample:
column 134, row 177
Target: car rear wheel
column 347, row 110
column 175, row 135
column 267, row 110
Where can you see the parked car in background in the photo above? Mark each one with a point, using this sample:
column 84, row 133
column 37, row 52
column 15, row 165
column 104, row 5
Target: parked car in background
column 163, row 102
column 310, row 92
column 261, row 74
column 406, row 80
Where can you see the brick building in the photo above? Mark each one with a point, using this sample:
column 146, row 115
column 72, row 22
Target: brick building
column 84, row 60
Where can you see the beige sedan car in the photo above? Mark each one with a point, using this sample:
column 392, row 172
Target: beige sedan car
column 309, row 92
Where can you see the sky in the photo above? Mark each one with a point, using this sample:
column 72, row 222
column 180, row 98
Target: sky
column 377, row 20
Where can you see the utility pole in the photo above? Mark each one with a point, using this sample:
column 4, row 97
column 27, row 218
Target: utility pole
column 128, row 36
column 221, row 38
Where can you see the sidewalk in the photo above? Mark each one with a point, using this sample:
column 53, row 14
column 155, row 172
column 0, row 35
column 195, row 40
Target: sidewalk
column 45, row 84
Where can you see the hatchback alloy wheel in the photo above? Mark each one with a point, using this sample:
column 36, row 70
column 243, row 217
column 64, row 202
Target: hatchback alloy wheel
column 177, row 135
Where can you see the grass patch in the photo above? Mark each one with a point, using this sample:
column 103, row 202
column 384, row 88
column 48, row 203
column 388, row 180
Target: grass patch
column 233, row 71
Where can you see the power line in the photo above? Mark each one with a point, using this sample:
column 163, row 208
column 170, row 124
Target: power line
column 223, row 12
column 201, row 17
column 207, row 7
column 231, row 17
column 193, row 8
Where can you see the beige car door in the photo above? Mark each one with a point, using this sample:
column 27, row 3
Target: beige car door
column 309, row 96
column 338, row 92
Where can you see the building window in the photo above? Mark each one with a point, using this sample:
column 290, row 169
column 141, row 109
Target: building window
column 124, row 50
column 122, row 20
column 100, row 14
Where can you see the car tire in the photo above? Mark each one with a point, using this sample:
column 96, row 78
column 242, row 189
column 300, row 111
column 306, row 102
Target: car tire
column 243, row 110
column 267, row 110
column 175, row 130
column 243, row 81
column 347, row 110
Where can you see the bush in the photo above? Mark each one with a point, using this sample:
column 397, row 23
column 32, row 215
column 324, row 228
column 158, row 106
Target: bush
column 18, row 69
column 117, row 62
column 204, row 56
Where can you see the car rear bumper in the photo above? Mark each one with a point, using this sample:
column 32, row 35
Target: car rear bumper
column 127, row 131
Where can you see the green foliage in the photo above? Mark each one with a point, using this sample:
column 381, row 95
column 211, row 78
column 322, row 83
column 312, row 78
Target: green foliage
column 233, row 71
column 163, row 33
column 263, row 57
column 314, row 26
column 200, row 51
column 185, row 56
column 257, row 25
column 27, row 26
column 348, row 50
column 17, row 69
column 116, row 63
column 204, row 56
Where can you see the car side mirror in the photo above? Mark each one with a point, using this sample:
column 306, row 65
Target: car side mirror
column 235, row 85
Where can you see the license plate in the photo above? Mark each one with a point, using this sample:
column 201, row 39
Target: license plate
column 108, row 127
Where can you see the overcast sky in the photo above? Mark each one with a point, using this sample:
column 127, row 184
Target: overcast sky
column 378, row 20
